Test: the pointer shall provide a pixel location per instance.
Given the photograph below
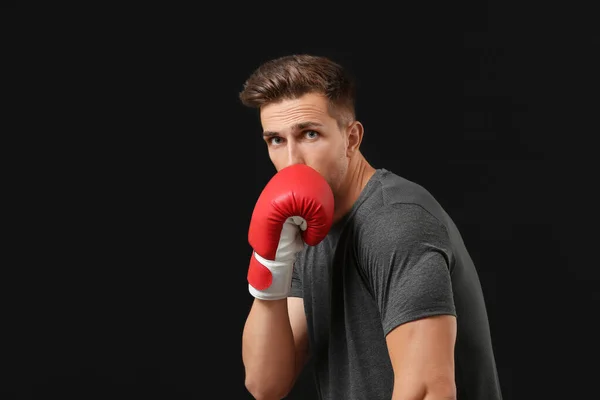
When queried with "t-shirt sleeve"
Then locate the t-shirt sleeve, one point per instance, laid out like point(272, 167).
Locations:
point(405, 256)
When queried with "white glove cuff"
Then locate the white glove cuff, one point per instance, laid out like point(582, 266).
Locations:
point(281, 285)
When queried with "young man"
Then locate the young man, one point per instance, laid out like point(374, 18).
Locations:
point(354, 267)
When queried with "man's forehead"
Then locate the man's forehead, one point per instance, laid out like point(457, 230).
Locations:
point(288, 113)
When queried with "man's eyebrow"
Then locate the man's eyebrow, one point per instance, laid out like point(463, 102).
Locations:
point(296, 127)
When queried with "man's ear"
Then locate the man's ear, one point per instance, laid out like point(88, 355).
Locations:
point(355, 135)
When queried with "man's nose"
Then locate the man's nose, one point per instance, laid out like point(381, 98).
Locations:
point(294, 154)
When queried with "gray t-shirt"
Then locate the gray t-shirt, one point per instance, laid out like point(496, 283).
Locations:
point(394, 258)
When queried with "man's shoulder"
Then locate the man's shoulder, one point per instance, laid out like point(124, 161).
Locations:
point(406, 220)
point(393, 196)
point(399, 216)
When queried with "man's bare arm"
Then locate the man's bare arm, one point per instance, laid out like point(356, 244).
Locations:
point(422, 355)
point(274, 347)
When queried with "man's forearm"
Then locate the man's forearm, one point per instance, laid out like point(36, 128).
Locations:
point(268, 349)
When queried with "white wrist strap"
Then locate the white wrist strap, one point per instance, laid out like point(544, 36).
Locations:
point(281, 285)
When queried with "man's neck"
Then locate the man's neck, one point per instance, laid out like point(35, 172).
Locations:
point(359, 173)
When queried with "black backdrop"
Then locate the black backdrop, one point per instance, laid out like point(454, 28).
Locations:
point(138, 286)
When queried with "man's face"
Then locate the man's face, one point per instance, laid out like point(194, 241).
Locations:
point(301, 131)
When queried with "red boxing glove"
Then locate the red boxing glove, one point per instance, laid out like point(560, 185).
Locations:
point(294, 208)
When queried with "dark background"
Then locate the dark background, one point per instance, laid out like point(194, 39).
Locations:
point(130, 279)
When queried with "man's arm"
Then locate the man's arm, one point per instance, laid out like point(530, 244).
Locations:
point(422, 355)
point(274, 347)
point(407, 258)
point(295, 208)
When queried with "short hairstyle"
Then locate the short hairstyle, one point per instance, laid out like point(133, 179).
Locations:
point(293, 76)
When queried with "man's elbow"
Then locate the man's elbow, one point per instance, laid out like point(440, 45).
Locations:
point(263, 391)
point(441, 391)
point(438, 390)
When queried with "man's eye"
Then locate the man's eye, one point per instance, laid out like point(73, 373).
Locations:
point(312, 134)
point(275, 140)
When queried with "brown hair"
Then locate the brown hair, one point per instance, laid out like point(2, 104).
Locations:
point(292, 76)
